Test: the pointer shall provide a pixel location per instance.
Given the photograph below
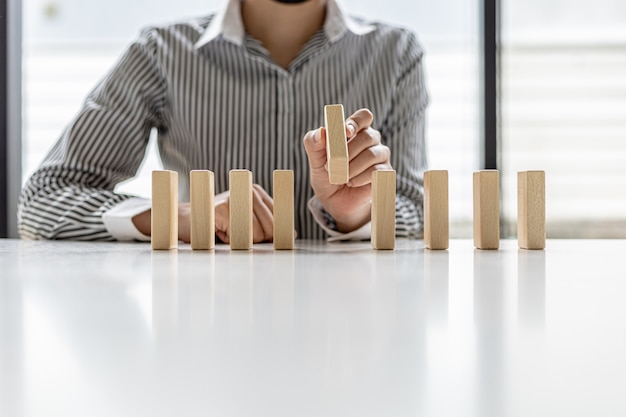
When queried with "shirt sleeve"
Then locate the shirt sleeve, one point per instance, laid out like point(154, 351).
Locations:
point(68, 196)
point(119, 219)
point(403, 131)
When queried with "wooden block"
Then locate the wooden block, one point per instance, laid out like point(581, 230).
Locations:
point(436, 219)
point(384, 209)
point(284, 231)
point(487, 209)
point(531, 209)
point(164, 215)
point(240, 209)
point(202, 201)
point(336, 144)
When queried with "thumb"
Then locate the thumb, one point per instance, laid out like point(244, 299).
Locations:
point(315, 146)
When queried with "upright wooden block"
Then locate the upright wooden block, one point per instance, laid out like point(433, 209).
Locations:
point(531, 209)
point(202, 201)
point(240, 209)
point(384, 209)
point(284, 232)
point(164, 215)
point(436, 218)
point(336, 144)
point(487, 209)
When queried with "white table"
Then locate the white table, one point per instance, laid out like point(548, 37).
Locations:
point(99, 329)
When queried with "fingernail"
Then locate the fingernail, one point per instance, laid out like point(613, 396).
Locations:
point(318, 135)
point(351, 129)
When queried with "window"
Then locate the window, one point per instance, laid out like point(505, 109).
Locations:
point(70, 44)
point(564, 111)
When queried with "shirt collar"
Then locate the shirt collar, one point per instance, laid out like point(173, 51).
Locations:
point(228, 24)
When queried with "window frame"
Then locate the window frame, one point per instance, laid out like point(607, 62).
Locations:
point(10, 114)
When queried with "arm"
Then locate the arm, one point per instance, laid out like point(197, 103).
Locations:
point(400, 144)
point(68, 195)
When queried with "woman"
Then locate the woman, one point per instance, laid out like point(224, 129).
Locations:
point(242, 89)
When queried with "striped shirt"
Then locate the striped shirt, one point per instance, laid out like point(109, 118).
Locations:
point(219, 102)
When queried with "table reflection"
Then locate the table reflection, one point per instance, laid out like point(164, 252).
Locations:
point(300, 322)
point(436, 276)
point(531, 289)
point(11, 340)
point(489, 325)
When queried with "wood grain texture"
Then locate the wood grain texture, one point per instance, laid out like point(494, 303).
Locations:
point(487, 209)
point(336, 144)
point(164, 214)
point(202, 202)
point(531, 209)
point(436, 217)
point(384, 210)
point(240, 210)
point(284, 222)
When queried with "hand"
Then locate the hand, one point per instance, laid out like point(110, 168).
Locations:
point(142, 222)
point(349, 204)
point(263, 219)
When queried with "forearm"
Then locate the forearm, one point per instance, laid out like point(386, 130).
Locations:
point(64, 211)
point(354, 220)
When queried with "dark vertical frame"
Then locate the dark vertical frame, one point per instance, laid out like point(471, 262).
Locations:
point(10, 114)
point(491, 84)
point(4, 123)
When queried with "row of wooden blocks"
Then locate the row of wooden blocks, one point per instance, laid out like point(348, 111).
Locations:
point(164, 220)
point(531, 210)
point(531, 215)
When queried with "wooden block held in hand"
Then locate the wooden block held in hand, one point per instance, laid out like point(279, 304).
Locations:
point(336, 144)
point(164, 215)
point(487, 209)
point(202, 202)
point(436, 218)
point(384, 209)
point(240, 209)
point(284, 232)
point(531, 209)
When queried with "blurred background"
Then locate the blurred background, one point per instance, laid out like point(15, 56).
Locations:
point(562, 101)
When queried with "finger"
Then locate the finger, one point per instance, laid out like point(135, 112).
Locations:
point(365, 177)
point(365, 139)
point(267, 199)
point(264, 220)
point(360, 120)
point(315, 147)
point(222, 236)
point(258, 235)
point(222, 222)
point(375, 155)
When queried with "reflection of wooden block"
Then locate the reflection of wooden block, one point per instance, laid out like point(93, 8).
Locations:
point(202, 201)
point(384, 209)
point(436, 220)
point(284, 232)
point(531, 209)
point(164, 215)
point(486, 209)
point(240, 207)
point(336, 144)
